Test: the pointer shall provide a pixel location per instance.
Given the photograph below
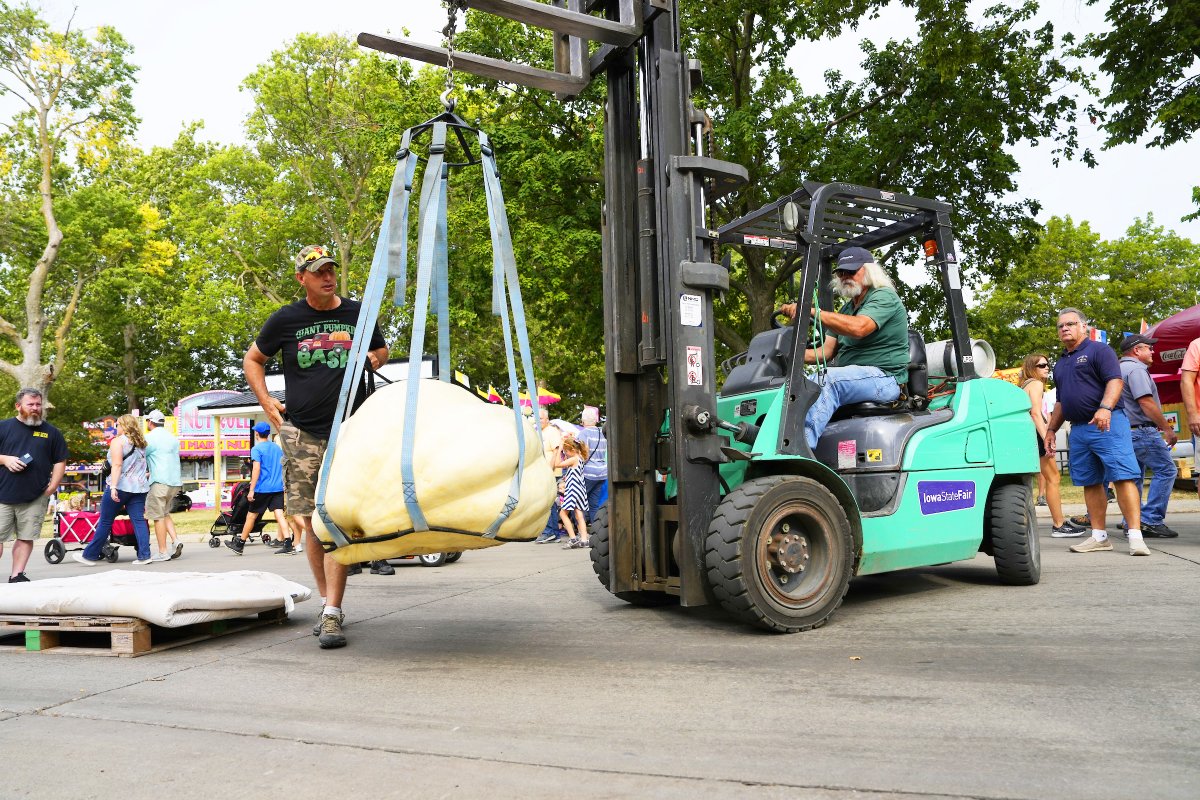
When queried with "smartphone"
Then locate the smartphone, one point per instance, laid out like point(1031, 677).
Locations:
point(26, 459)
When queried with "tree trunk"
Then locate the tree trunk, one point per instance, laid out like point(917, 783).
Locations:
point(129, 366)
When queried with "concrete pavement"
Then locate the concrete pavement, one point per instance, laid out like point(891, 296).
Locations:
point(514, 674)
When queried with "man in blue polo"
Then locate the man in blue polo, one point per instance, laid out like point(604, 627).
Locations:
point(1088, 379)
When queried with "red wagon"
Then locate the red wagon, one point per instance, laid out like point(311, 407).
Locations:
point(78, 527)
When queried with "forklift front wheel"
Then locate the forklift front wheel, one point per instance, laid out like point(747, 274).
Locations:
point(779, 553)
point(598, 535)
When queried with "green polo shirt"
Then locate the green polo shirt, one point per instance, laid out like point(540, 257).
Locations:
point(887, 346)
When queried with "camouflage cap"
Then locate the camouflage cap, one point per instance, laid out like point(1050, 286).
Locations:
point(313, 257)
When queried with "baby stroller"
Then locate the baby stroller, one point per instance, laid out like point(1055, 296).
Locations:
point(230, 523)
point(78, 528)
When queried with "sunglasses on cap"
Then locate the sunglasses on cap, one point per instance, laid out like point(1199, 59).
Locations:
point(317, 252)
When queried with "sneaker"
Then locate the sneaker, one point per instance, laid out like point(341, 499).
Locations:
point(545, 538)
point(1159, 531)
point(20, 577)
point(141, 562)
point(236, 545)
point(277, 542)
point(286, 548)
point(178, 551)
point(1068, 530)
point(158, 557)
point(354, 569)
point(570, 544)
point(1082, 520)
point(87, 562)
point(1091, 545)
point(299, 548)
point(585, 545)
point(330, 634)
point(382, 568)
point(1138, 548)
point(1041, 501)
point(320, 619)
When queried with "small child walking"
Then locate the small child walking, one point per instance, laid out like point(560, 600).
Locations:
point(574, 503)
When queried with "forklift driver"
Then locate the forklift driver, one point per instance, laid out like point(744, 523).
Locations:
point(869, 354)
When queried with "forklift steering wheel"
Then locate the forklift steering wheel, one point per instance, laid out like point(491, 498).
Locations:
point(780, 319)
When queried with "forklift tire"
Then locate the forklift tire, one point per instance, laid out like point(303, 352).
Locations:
point(598, 535)
point(1012, 530)
point(779, 553)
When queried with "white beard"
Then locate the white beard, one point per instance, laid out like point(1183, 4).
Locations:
point(847, 290)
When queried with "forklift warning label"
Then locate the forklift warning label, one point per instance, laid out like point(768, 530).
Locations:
point(695, 367)
point(939, 496)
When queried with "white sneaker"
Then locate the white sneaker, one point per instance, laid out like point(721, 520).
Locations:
point(1138, 548)
point(177, 549)
point(161, 557)
point(78, 556)
point(141, 562)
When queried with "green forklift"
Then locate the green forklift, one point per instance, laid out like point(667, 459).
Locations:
point(714, 494)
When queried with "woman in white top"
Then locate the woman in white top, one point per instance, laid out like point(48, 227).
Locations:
point(125, 490)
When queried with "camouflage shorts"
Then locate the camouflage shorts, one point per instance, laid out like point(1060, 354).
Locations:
point(302, 454)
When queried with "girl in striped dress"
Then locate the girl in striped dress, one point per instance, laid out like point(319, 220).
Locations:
point(574, 504)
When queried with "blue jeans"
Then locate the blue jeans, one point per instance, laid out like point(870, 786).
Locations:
point(133, 504)
point(843, 386)
point(597, 495)
point(1152, 452)
point(551, 528)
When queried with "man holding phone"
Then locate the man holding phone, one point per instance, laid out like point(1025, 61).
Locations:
point(33, 457)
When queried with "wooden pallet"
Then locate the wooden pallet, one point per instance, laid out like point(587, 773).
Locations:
point(114, 636)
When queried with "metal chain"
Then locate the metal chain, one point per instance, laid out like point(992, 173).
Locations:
point(452, 9)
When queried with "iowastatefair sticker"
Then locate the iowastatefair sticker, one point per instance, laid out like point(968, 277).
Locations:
point(940, 496)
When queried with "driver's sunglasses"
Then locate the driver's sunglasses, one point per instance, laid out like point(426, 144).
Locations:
point(315, 253)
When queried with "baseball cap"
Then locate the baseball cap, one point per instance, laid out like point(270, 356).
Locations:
point(262, 428)
point(312, 257)
point(157, 417)
point(852, 258)
point(1134, 339)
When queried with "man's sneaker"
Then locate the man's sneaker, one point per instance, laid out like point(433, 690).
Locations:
point(161, 557)
point(354, 569)
point(545, 538)
point(1091, 545)
point(1159, 531)
point(286, 548)
point(1068, 530)
point(236, 545)
point(1138, 548)
point(87, 562)
point(382, 568)
point(276, 542)
point(1041, 501)
point(330, 633)
point(178, 551)
point(141, 562)
point(20, 577)
point(1082, 520)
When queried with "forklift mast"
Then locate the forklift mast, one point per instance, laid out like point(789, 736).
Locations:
point(659, 275)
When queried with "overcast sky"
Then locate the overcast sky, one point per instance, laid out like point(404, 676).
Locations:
point(193, 56)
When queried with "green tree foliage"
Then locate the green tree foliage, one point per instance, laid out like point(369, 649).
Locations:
point(1152, 55)
point(74, 98)
point(1149, 274)
point(938, 115)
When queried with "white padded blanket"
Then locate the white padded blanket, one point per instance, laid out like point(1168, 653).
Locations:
point(169, 599)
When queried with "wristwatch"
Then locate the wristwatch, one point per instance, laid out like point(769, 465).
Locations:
point(1106, 408)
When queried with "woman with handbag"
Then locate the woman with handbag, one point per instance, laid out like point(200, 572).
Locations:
point(125, 490)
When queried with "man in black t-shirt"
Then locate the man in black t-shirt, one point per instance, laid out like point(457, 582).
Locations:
point(33, 457)
point(313, 336)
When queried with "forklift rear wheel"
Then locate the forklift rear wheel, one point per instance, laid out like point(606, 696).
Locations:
point(1013, 533)
point(779, 553)
point(55, 551)
point(598, 535)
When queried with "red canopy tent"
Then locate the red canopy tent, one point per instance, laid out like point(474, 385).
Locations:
point(1174, 334)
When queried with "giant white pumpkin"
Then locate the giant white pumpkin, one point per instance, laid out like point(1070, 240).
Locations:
point(464, 458)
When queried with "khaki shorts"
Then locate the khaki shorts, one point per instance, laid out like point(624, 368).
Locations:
point(302, 455)
point(23, 519)
point(159, 500)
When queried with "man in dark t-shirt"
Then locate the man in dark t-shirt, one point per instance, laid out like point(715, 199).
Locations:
point(313, 336)
point(1088, 383)
point(33, 457)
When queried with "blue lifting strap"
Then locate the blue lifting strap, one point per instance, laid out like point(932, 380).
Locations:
point(432, 287)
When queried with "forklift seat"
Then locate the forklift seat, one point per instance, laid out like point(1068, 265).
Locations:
point(914, 393)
